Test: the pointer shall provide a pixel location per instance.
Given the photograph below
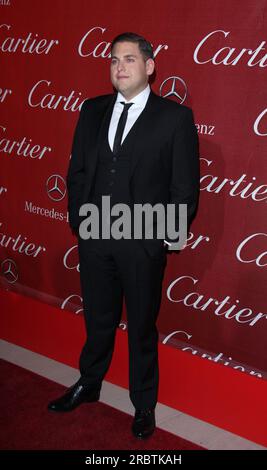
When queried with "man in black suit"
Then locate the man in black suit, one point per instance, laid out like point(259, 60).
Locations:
point(136, 148)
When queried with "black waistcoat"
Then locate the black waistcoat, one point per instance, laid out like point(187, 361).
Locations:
point(112, 172)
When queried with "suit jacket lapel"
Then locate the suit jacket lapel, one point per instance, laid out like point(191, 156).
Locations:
point(142, 124)
point(103, 119)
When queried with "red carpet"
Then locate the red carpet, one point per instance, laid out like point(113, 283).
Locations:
point(26, 424)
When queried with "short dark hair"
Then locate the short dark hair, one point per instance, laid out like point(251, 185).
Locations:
point(144, 45)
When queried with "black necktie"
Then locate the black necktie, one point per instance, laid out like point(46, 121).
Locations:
point(121, 126)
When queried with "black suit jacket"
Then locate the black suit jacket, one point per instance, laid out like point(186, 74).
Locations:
point(164, 158)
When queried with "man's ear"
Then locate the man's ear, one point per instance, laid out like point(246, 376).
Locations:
point(150, 66)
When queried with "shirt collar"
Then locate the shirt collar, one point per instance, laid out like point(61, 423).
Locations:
point(139, 99)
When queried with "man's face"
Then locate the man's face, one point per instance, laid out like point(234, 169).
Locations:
point(129, 71)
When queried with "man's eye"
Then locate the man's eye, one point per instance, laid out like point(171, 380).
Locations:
point(130, 59)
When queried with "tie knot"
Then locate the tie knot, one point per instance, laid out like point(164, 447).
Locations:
point(126, 105)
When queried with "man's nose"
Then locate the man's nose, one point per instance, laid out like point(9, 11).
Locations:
point(121, 66)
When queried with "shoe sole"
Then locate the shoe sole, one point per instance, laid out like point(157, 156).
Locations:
point(142, 438)
point(91, 400)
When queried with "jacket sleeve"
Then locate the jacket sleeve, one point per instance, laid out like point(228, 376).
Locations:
point(76, 170)
point(184, 188)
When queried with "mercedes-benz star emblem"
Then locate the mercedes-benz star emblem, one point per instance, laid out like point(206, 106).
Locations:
point(9, 270)
point(174, 86)
point(56, 187)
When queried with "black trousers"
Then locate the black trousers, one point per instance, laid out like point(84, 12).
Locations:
point(110, 269)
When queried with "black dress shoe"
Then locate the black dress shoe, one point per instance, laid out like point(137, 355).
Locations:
point(143, 423)
point(74, 397)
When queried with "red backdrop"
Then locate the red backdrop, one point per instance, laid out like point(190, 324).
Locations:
point(209, 55)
